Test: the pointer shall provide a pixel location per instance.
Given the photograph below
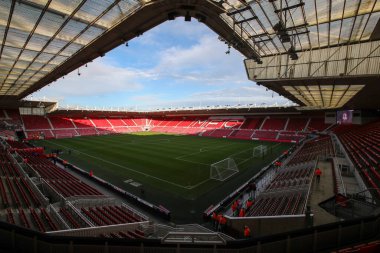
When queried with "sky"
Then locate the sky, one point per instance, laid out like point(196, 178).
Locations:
point(175, 64)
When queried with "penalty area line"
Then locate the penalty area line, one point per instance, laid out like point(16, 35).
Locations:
point(205, 149)
point(189, 161)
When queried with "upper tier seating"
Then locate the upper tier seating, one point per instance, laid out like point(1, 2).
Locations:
point(61, 122)
point(214, 124)
point(252, 123)
point(317, 124)
point(116, 122)
point(35, 122)
point(2, 114)
point(235, 124)
point(274, 124)
point(139, 121)
point(82, 123)
point(296, 124)
point(184, 123)
point(199, 122)
point(129, 122)
point(13, 116)
point(103, 123)
point(173, 122)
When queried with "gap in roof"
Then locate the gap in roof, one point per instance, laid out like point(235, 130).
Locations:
point(175, 64)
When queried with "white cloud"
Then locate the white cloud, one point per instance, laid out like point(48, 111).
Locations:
point(98, 78)
point(178, 29)
point(227, 96)
point(244, 94)
point(205, 61)
point(147, 98)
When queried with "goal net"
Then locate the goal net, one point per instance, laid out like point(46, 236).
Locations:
point(260, 151)
point(223, 169)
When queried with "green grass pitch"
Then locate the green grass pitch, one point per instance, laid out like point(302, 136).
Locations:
point(170, 168)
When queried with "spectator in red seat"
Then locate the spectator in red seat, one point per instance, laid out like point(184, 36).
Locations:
point(222, 222)
point(249, 203)
point(214, 218)
point(234, 208)
point(242, 212)
point(247, 232)
point(318, 174)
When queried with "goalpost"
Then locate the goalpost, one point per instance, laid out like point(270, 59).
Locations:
point(226, 168)
point(223, 169)
point(260, 151)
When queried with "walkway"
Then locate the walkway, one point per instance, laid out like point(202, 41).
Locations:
point(320, 192)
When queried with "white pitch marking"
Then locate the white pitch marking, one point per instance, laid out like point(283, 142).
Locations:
point(126, 168)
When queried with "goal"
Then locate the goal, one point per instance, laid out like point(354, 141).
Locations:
point(260, 151)
point(223, 169)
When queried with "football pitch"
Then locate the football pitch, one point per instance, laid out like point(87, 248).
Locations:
point(167, 167)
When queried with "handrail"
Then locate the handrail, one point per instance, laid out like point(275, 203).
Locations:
point(193, 238)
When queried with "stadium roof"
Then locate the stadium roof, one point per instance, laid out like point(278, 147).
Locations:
point(307, 24)
point(42, 41)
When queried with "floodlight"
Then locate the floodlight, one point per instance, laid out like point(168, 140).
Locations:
point(187, 17)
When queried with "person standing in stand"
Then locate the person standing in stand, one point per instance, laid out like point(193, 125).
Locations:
point(247, 232)
point(253, 189)
point(318, 174)
point(214, 218)
point(242, 212)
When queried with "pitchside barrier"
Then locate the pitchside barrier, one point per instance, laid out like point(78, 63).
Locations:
point(324, 238)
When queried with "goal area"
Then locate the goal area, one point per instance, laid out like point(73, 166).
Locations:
point(223, 169)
